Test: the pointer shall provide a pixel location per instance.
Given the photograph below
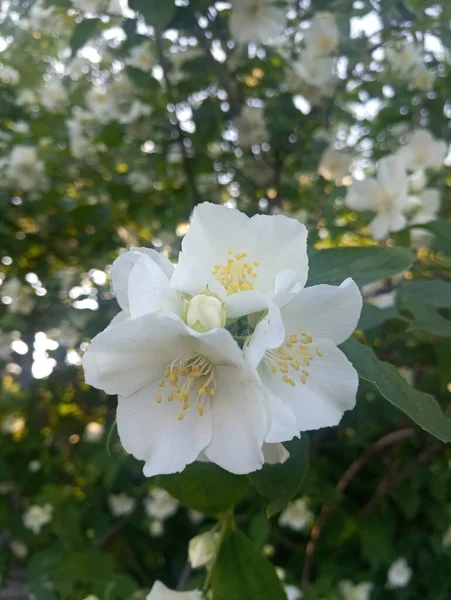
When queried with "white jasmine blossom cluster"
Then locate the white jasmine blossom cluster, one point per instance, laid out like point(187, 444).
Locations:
point(228, 345)
point(159, 505)
point(121, 505)
point(54, 96)
point(24, 169)
point(9, 75)
point(142, 57)
point(43, 19)
point(423, 151)
point(355, 591)
point(26, 98)
point(37, 516)
point(406, 61)
point(335, 165)
point(323, 36)
point(256, 21)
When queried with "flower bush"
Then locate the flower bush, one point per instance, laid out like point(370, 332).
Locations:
point(225, 295)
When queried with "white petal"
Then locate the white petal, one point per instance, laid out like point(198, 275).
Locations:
point(149, 289)
point(380, 225)
point(282, 420)
point(152, 431)
point(245, 303)
point(160, 592)
point(275, 454)
point(329, 391)
point(325, 311)
point(131, 355)
point(269, 333)
point(123, 265)
point(218, 346)
point(239, 421)
point(391, 172)
point(363, 195)
point(398, 221)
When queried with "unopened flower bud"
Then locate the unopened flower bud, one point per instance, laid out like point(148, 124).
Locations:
point(202, 549)
point(204, 312)
point(417, 182)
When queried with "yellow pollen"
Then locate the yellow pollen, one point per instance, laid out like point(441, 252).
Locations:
point(181, 416)
point(283, 362)
point(303, 379)
point(159, 398)
point(186, 406)
point(318, 352)
point(288, 380)
point(200, 410)
point(162, 382)
point(236, 275)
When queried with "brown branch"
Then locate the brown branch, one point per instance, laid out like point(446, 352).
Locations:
point(385, 441)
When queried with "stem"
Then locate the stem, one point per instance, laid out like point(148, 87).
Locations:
point(225, 524)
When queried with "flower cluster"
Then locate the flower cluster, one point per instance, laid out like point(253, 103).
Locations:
point(229, 351)
point(407, 62)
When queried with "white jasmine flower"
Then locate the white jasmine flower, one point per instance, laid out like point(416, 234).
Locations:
point(322, 37)
point(101, 104)
point(115, 8)
point(296, 515)
point(139, 182)
point(421, 79)
point(446, 540)
point(160, 504)
point(156, 528)
point(18, 548)
point(142, 57)
point(313, 76)
point(26, 98)
point(21, 127)
point(25, 169)
point(178, 390)
point(203, 548)
point(36, 517)
point(121, 505)
point(160, 592)
point(355, 591)
point(90, 6)
point(403, 58)
point(417, 182)
point(407, 374)
point(421, 238)
point(293, 592)
point(42, 18)
point(399, 574)
point(308, 381)
point(265, 259)
point(8, 75)
point(423, 151)
point(195, 517)
point(385, 195)
point(251, 126)
point(94, 432)
point(386, 300)
point(54, 96)
point(427, 208)
point(256, 21)
point(335, 165)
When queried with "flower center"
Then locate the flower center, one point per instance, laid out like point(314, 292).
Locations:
point(190, 381)
point(293, 356)
point(237, 275)
point(386, 200)
point(324, 41)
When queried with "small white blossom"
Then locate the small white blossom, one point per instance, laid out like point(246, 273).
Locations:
point(156, 528)
point(407, 374)
point(34, 466)
point(26, 98)
point(355, 591)
point(160, 592)
point(121, 505)
point(399, 574)
point(296, 515)
point(417, 182)
point(446, 540)
point(386, 196)
point(385, 300)
point(403, 58)
point(256, 21)
point(12, 424)
point(251, 126)
point(293, 592)
point(142, 57)
point(423, 151)
point(90, 6)
point(195, 516)
point(313, 76)
point(421, 79)
point(427, 207)
point(335, 165)
point(37, 516)
point(101, 103)
point(322, 37)
point(160, 504)
point(203, 548)
point(17, 297)
point(54, 96)
point(18, 548)
point(25, 169)
point(43, 18)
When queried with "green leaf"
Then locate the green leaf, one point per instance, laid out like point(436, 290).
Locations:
point(158, 13)
point(422, 408)
point(279, 483)
point(364, 265)
point(243, 573)
point(427, 318)
point(433, 292)
point(205, 487)
point(372, 316)
point(442, 231)
point(259, 529)
point(83, 32)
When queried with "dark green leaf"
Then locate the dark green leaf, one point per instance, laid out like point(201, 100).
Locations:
point(442, 231)
point(156, 12)
point(364, 265)
point(279, 483)
point(372, 316)
point(83, 32)
point(434, 292)
point(205, 487)
point(259, 529)
point(422, 408)
point(426, 318)
point(243, 573)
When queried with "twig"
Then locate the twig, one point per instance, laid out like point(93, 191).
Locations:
point(184, 576)
point(187, 165)
point(344, 481)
